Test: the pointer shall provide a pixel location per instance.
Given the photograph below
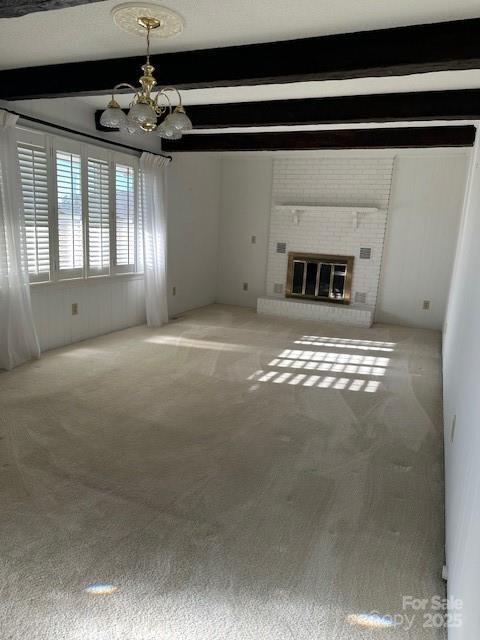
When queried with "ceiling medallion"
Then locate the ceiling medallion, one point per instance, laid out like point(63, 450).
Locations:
point(125, 16)
point(146, 109)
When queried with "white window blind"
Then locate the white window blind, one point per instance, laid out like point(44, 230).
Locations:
point(69, 206)
point(125, 218)
point(98, 177)
point(82, 209)
point(140, 264)
point(34, 178)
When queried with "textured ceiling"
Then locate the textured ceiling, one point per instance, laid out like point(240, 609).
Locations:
point(87, 32)
point(73, 110)
point(438, 81)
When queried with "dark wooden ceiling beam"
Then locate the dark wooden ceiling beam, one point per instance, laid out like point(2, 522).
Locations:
point(385, 52)
point(387, 107)
point(17, 8)
point(408, 137)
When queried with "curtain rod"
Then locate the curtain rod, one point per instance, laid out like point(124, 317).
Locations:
point(79, 133)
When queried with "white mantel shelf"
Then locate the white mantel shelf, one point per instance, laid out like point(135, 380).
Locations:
point(299, 210)
point(353, 314)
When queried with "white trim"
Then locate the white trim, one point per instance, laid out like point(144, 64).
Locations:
point(105, 157)
point(53, 144)
point(125, 161)
point(313, 208)
point(92, 280)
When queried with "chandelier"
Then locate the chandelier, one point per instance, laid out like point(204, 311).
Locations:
point(147, 112)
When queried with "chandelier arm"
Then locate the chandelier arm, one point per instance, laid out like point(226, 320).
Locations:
point(124, 84)
point(162, 93)
point(175, 90)
point(144, 108)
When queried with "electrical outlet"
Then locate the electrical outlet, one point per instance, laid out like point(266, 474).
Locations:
point(174, 291)
point(254, 239)
point(452, 428)
point(426, 305)
point(74, 308)
point(245, 286)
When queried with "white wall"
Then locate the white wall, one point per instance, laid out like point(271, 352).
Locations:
point(218, 202)
point(104, 305)
point(79, 116)
point(193, 220)
point(109, 304)
point(461, 370)
point(342, 179)
point(425, 204)
point(245, 208)
point(422, 228)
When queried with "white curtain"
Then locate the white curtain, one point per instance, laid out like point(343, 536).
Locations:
point(18, 338)
point(153, 172)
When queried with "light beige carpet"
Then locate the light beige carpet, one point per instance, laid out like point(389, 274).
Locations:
point(227, 477)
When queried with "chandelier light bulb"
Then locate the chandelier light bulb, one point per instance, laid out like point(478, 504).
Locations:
point(113, 116)
point(166, 130)
point(131, 128)
point(174, 134)
point(162, 130)
point(180, 120)
point(142, 114)
point(168, 122)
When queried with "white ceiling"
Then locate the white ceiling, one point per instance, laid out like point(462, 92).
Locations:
point(77, 110)
point(87, 32)
point(438, 81)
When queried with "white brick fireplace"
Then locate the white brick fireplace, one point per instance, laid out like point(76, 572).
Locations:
point(325, 207)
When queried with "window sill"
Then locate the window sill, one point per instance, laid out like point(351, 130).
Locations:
point(92, 280)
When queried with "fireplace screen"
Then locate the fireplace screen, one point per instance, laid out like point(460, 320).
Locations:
point(319, 277)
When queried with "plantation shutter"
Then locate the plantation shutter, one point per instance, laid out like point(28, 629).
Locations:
point(34, 182)
point(69, 214)
point(98, 178)
point(139, 266)
point(82, 205)
point(125, 217)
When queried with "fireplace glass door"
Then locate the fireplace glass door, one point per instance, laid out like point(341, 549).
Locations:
point(319, 277)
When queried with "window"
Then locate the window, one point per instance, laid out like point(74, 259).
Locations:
point(34, 174)
point(81, 208)
point(69, 216)
point(98, 216)
point(125, 214)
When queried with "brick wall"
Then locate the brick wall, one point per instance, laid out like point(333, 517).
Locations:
point(336, 187)
point(363, 182)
